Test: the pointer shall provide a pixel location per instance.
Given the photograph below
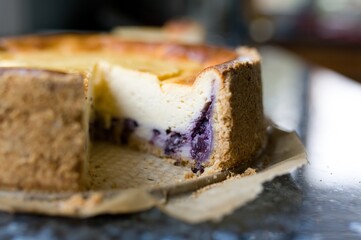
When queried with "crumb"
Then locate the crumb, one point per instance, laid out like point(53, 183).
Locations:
point(189, 175)
point(72, 204)
point(184, 163)
point(94, 200)
point(248, 172)
point(231, 174)
point(78, 201)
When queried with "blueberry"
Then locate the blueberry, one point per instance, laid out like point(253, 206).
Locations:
point(174, 142)
point(129, 125)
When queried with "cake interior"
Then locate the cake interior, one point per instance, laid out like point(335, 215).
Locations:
point(168, 118)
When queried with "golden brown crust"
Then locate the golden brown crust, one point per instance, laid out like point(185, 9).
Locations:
point(42, 137)
point(206, 55)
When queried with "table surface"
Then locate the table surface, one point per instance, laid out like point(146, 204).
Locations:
point(320, 201)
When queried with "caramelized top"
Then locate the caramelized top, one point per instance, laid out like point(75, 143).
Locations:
point(79, 53)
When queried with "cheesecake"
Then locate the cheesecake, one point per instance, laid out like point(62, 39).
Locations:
point(195, 104)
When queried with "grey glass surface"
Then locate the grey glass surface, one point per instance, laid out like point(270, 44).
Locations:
point(320, 201)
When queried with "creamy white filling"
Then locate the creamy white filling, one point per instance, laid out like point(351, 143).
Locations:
point(125, 93)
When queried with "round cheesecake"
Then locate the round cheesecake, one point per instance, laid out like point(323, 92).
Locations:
point(196, 104)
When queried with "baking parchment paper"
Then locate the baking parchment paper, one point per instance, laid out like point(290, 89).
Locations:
point(126, 181)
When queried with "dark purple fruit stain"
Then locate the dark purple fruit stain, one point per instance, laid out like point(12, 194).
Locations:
point(119, 130)
point(116, 127)
point(202, 135)
point(98, 130)
point(174, 142)
point(156, 134)
point(198, 168)
point(129, 126)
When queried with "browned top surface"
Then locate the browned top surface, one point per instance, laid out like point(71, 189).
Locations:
point(94, 43)
point(79, 53)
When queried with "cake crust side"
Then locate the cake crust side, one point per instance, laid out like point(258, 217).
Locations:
point(49, 153)
point(239, 117)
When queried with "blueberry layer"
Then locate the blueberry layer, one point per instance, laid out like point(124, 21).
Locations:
point(174, 142)
point(129, 126)
point(118, 131)
point(195, 144)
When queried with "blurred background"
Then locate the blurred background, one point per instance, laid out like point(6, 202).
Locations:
point(325, 32)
